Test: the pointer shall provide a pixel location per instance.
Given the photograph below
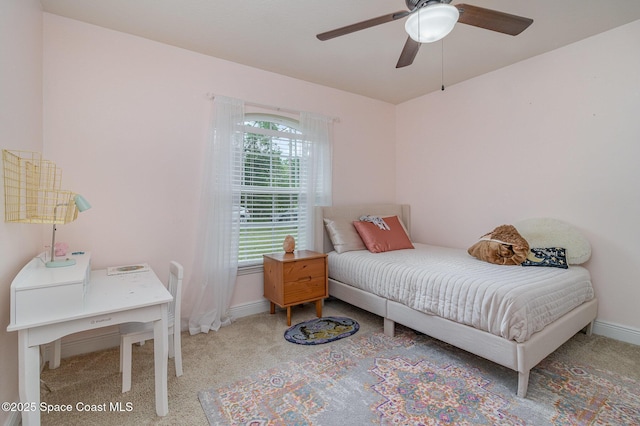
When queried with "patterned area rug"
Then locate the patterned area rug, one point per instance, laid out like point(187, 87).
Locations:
point(411, 379)
point(321, 330)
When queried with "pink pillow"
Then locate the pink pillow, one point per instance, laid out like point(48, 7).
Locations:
point(379, 240)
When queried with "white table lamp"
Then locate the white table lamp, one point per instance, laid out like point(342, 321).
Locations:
point(82, 204)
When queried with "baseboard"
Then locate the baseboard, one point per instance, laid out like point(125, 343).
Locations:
point(109, 338)
point(617, 332)
point(96, 341)
point(251, 308)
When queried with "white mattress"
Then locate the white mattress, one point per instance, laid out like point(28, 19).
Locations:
point(509, 301)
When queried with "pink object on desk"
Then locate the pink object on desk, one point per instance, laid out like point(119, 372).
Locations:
point(61, 249)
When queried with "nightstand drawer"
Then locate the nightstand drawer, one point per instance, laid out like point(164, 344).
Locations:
point(297, 291)
point(303, 271)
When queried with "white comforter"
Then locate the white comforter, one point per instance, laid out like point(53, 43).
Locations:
point(509, 301)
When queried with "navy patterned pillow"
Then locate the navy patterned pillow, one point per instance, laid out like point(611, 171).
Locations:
point(550, 256)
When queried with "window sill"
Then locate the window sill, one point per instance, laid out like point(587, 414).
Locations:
point(251, 269)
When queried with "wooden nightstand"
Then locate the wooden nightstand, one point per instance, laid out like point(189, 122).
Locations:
point(294, 278)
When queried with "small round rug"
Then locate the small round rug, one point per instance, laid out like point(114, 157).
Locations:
point(321, 330)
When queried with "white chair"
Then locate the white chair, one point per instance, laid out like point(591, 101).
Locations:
point(136, 332)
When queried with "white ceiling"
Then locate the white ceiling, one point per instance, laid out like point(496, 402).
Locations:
point(279, 36)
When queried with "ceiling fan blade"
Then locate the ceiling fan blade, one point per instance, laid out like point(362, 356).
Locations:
point(362, 25)
point(492, 19)
point(409, 53)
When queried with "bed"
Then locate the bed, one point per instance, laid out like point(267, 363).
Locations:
point(522, 315)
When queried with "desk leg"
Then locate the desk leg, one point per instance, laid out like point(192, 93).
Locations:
point(161, 359)
point(54, 357)
point(29, 378)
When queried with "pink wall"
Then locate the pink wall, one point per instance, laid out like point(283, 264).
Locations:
point(127, 119)
point(557, 136)
point(20, 129)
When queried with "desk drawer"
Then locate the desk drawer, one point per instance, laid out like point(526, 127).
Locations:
point(40, 294)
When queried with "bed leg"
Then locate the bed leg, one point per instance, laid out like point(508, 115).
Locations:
point(389, 327)
point(589, 329)
point(523, 383)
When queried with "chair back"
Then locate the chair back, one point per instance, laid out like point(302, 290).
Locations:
point(175, 288)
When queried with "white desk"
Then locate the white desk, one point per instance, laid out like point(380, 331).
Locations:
point(108, 300)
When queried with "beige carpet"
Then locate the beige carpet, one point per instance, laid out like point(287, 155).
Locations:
point(249, 345)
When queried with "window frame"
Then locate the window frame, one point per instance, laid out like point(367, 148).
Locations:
point(255, 265)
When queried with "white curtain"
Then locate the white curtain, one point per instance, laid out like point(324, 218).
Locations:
point(216, 262)
point(317, 131)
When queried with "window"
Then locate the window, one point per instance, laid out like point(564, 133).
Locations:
point(272, 186)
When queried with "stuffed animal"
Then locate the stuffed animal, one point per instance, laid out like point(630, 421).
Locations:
point(502, 246)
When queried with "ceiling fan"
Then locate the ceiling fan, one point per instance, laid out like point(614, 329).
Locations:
point(431, 20)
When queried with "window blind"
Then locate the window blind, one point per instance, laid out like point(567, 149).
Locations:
point(273, 176)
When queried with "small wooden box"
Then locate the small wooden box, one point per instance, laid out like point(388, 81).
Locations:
point(294, 278)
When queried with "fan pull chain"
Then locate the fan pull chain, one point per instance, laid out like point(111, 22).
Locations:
point(442, 64)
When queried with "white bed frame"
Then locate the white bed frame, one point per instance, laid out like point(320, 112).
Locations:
point(521, 357)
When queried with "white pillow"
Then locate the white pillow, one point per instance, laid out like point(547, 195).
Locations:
point(343, 235)
point(547, 232)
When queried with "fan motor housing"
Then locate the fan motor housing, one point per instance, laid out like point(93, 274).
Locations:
point(411, 4)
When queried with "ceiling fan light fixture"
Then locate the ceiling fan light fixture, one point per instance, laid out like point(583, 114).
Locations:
point(431, 23)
